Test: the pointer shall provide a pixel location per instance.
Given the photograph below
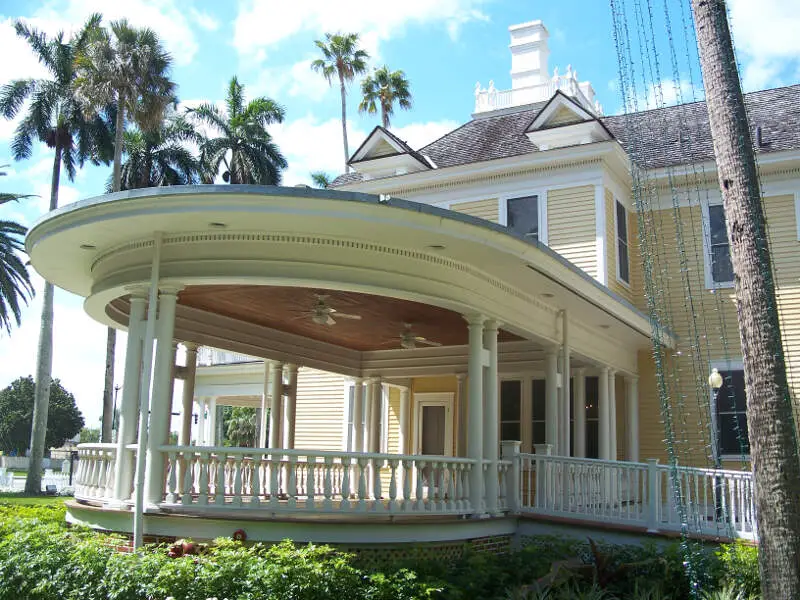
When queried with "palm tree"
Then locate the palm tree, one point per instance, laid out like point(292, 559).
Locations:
point(159, 157)
point(344, 59)
point(15, 283)
point(129, 69)
point(53, 116)
point(383, 88)
point(321, 179)
point(244, 146)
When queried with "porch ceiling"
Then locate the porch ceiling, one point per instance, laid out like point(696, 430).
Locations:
point(288, 309)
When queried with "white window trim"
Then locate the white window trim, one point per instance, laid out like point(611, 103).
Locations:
point(541, 194)
point(721, 365)
point(346, 387)
point(433, 399)
point(620, 280)
point(706, 233)
point(797, 212)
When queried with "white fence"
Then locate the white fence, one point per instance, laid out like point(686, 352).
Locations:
point(697, 501)
point(94, 474)
point(309, 481)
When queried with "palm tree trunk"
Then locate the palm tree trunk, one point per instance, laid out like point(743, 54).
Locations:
point(111, 334)
point(344, 121)
point(44, 364)
point(773, 437)
point(384, 116)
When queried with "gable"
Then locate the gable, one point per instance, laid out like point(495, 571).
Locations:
point(381, 148)
point(563, 116)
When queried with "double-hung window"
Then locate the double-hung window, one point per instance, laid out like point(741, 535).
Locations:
point(623, 261)
point(730, 415)
point(719, 249)
point(522, 216)
point(510, 410)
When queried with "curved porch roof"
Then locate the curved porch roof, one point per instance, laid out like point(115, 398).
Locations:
point(352, 243)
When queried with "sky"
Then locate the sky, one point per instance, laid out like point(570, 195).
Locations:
point(444, 47)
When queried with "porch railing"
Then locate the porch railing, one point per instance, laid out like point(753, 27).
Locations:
point(698, 501)
point(308, 481)
point(94, 473)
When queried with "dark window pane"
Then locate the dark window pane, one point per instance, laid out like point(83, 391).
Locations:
point(539, 400)
point(716, 224)
point(733, 438)
point(592, 397)
point(539, 433)
point(592, 439)
point(510, 431)
point(624, 268)
point(622, 223)
point(721, 266)
point(571, 399)
point(523, 215)
point(510, 400)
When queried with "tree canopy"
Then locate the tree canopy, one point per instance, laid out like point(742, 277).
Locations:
point(381, 90)
point(64, 420)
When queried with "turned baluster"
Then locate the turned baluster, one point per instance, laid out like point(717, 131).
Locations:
point(292, 484)
point(255, 482)
point(219, 488)
point(393, 504)
point(327, 504)
point(420, 506)
point(345, 503)
point(172, 480)
point(362, 483)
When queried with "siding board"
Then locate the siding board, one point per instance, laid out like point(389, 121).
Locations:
point(484, 209)
point(571, 226)
point(320, 410)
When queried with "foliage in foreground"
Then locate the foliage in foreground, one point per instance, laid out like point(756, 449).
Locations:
point(41, 559)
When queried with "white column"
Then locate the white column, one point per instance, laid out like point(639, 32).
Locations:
point(492, 415)
point(376, 395)
point(264, 424)
point(564, 432)
point(358, 415)
point(551, 398)
point(475, 412)
point(159, 404)
point(290, 417)
point(275, 404)
point(211, 437)
point(612, 415)
point(461, 403)
point(632, 405)
point(129, 407)
point(187, 400)
point(201, 422)
point(604, 425)
point(579, 408)
point(405, 408)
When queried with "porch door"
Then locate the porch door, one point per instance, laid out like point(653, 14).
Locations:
point(433, 434)
point(433, 430)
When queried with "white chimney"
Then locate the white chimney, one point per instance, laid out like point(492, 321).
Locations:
point(529, 54)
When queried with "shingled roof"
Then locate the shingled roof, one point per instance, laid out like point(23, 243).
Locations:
point(668, 136)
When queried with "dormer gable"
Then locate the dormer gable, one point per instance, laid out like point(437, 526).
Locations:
point(563, 122)
point(383, 154)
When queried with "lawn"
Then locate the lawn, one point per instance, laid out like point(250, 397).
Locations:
point(19, 499)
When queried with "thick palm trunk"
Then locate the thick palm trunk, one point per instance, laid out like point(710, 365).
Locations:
point(344, 122)
point(44, 364)
point(111, 334)
point(384, 117)
point(773, 438)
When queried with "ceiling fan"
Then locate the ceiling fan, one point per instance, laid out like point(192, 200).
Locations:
point(409, 341)
point(322, 314)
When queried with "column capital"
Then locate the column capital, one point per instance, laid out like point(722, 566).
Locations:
point(138, 292)
point(190, 346)
point(580, 371)
point(475, 319)
point(291, 367)
point(491, 325)
point(631, 378)
point(552, 350)
point(461, 377)
point(170, 289)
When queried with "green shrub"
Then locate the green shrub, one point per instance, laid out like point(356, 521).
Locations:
point(740, 568)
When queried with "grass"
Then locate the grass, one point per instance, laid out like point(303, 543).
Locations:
point(19, 499)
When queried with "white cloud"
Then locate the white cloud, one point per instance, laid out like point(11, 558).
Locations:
point(204, 20)
point(313, 145)
point(297, 80)
point(375, 21)
point(165, 17)
point(765, 34)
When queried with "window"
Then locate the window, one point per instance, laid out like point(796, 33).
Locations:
point(592, 417)
point(538, 406)
point(719, 248)
point(510, 410)
point(523, 216)
point(730, 415)
point(623, 262)
point(350, 427)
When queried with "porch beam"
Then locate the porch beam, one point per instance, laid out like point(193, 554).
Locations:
point(211, 422)
point(358, 415)
point(604, 426)
point(275, 404)
point(632, 407)
point(564, 432)
point(579, 408)
point(612, 415)
point(461, 404)
point(290, 416)
point(187, 398)
point(551, 397)
point(263, 435)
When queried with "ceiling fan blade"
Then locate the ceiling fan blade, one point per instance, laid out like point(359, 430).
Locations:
point(330, 321)
point(346, 316)
point(422, 340)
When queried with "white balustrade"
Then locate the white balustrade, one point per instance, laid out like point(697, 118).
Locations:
point(94, 475)
point(658, 497)
point(212, 356)
point(316, 481)
point(490, 99)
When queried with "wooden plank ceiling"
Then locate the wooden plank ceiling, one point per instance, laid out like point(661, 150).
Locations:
point(289, 309)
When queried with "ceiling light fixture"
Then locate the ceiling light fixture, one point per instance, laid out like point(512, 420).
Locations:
point(88, 247)
point(547, 295)
point(217, 225)
point(436, 247)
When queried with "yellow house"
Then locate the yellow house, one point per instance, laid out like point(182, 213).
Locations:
point(452, 343)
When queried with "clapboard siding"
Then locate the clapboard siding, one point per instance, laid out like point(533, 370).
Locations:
point(484, 209)
point(320, 410)
point(571, 227)
point(564, 116)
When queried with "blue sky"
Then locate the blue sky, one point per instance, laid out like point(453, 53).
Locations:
point(444, 46)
